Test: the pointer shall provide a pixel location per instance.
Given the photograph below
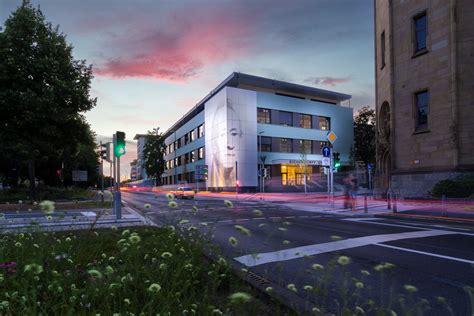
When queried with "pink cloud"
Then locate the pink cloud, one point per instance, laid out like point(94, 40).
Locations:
point(327, 81)
point(180, 54)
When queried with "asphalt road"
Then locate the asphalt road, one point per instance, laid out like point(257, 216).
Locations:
point(284, 244)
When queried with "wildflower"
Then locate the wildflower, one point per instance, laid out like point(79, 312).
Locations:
point(125, 232)
point(379, 267)
point(269, 289)
point(111, 258)
point(109, 270)
point(365, 272)
point(147, 205)
point(334, 237)
point(389, 265)
point(47, 206)
point(192, 228)
point(343, 260)
point(18, 244)
point(154, 288)
point(126, 301)
point(166, 255)
point(49, 217)
point(95, 273)
point(243, 230)
point(286, 242)
point(308, 288)
point(34, 268)
point(68, 239)
point(20, 202)
point(292, 287)
point(113, 227)
point(317, 266)
point(188, 266)
point(2, 278)
point(134, 239)
point(233, 241)
point(163, 266)
point(441, 299)
point(217, 311)
point(316, 310)
point(240, 297)
point(173, 204)
point(170, 196)
point(410, 288)
point(283, 229)
point(258, 212)
point(261, 225)
point(222, 261)
point(228, 203)
point(359, 310)
point(359, 285)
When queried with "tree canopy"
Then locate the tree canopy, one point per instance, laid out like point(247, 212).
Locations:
point(154, 154)
point(44, 92)
point(364, 135)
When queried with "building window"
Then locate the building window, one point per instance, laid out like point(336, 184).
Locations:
point(421, 102)
point(200, 131)
point(420, 31)
point(382, 48)
point(324, 123)
point(192, 156)
point(323, 144)
point(286, 118)
point(201, 153)
point(305, 121)
point(192, 135)
point(263, 116)
point(286, 145)
point(186, 138)
point(306, 146)
point(266, 144)
point(186, 158)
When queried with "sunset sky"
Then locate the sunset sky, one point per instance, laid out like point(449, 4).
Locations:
point(153, 60)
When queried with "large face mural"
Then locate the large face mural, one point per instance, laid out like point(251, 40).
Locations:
point(230, 123)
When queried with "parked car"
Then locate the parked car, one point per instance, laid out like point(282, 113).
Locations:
point(184, 193)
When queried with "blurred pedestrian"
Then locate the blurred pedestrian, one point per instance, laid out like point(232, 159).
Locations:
point(354, 187)
point(347, 191)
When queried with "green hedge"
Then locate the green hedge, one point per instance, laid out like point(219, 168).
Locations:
point(462, 187)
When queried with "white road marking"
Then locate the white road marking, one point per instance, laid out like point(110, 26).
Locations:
point(275, 217)
point(426, 253)
point(226, 221)
point(259, 218)
point(89, 214)
point(289, 254)
point(290, 216)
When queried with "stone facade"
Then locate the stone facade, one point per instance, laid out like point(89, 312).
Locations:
point(415, 159)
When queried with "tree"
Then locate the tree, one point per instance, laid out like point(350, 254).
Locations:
point(364, 135)
point(154, 154)
point(43, 93)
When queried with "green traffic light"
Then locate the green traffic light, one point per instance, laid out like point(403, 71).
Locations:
point(119, 144)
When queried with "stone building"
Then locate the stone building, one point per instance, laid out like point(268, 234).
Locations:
point(424, 66)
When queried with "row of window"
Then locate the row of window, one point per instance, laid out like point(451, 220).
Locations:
point(420, 33)
point(289, 145)
point(264, 116)
point(189, 137)
point(188, 157)
point(188, 177)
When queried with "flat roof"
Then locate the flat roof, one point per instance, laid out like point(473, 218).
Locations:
point(237, 79)
point(138, 136)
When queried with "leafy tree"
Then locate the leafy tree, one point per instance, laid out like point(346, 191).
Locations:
point(364, 135)
point(43, 93)
point(154, 154)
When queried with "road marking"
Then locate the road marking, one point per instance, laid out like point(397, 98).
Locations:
point(290, 216)
point(259, 218)
point(299, 252)
point(275, 217)
point(406, 225)
point(89, 214)
point(226, 221)
point(426, 253)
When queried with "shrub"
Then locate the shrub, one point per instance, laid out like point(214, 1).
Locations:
point(462, 187)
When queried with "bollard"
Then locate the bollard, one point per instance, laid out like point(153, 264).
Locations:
point(444, 209)
point(366, 210)
point(395, 203)
point(389, 202)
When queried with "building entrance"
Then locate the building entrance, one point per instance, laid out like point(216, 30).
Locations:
point(292, 174)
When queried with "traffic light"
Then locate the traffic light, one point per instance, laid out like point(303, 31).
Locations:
point(103, 151)
point(337, 162)
point(119, 144)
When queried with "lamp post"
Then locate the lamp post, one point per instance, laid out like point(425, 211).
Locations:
point(260, 160)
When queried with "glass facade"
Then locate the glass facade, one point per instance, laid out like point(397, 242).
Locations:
point(263, 116)
point(305, 121)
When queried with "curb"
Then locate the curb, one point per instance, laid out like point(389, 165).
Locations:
point(424, 218)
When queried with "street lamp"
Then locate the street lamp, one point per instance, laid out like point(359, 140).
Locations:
point(260, 160)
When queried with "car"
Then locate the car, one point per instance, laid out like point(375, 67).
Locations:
point(184, 193)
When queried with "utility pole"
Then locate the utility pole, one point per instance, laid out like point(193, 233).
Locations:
point(236, 180)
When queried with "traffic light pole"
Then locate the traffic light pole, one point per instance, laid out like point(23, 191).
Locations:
point(102, 173)
point(331, 176)
point(117, 197)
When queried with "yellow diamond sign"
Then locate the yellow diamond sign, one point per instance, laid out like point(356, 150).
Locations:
point(332, 137)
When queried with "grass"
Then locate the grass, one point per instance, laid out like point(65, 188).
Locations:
point(24, 207)
point(141, 270)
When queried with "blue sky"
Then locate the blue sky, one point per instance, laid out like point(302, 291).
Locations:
point(153, 60)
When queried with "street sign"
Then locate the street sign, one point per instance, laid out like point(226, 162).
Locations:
point(326, 151)
point(79, 175)
point(332, 137)
point(326, 161)
point(201, 167)
point(370, 166)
